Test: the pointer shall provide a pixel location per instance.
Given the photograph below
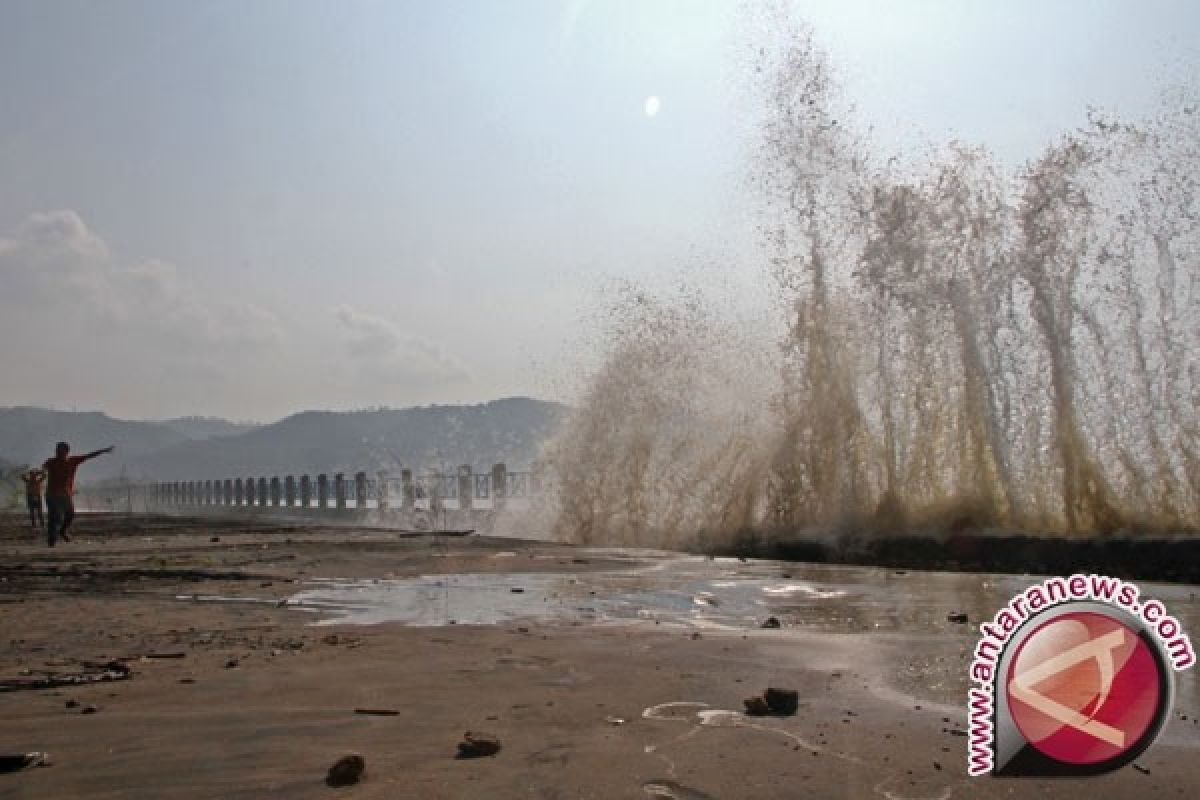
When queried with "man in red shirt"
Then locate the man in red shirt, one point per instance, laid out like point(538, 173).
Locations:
point(60, 485)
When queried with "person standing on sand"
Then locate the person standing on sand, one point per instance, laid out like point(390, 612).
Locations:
point(60, 485)
point(33, 496)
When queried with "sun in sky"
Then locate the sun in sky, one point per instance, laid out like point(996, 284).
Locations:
point(653, 104)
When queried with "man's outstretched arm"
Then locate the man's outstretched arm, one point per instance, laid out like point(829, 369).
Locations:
point(95, 453)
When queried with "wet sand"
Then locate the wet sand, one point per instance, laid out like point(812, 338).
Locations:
point(635, 691)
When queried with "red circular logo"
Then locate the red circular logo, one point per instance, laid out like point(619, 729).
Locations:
point(1084, 688)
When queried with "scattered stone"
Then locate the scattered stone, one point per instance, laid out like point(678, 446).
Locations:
point(231, 663)
point(477, 745)
point(331, 639)
point(72, 703)
point(771, 622)
point(378, 712)
point(165, 655)
point(757, 706)
point(15, 762)
point(1141, 769)
point(615, 720)
point(346, 770)
point(89, 710)
point(695, 635)
point(782, 701)
point(517, 590)
point(215, 539)
point(187, 680)
point(937, 766)
point(957, 617)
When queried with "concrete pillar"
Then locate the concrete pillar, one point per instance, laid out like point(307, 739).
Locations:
point(536, 473)
point(191, 493)
point(436, 484)
point(262, 493)
point(251, 492)
point(227, 490)
point(208, 493)
point(339, 491)
point(305, 491)
point(360, 490)
point(408, 492)
point(289, 491)
point(276, 491)
point(499, 486)
point(239, 496)
point(322, 491)
point(381, 490)
point(466, 487)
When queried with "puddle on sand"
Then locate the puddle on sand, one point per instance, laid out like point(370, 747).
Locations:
point(690, 592)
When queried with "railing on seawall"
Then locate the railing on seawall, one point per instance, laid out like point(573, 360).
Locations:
point(461, 490)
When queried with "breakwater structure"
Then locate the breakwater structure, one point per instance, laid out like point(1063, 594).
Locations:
point(435, 499)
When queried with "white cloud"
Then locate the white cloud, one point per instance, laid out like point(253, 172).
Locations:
point(86, 326)
point(52, 254)
point(54, 266)
point(390, 353)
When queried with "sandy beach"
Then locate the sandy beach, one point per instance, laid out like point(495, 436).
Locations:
point(237, 667)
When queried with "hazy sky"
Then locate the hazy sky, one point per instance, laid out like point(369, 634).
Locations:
point(250, 208)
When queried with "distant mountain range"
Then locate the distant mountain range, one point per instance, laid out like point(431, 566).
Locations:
point(509, 430)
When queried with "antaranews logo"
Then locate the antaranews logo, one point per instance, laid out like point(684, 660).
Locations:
point(1074, 676)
